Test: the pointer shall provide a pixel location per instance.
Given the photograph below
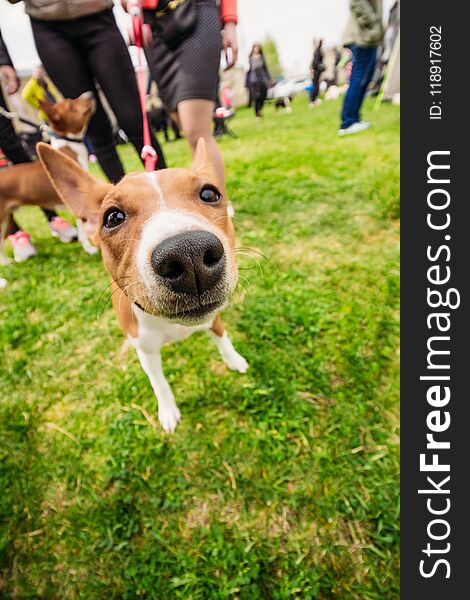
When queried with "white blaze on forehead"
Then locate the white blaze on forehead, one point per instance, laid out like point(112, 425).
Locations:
point(166, 224)
point(153, 180)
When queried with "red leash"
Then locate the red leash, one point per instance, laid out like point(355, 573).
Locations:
point(140, 35)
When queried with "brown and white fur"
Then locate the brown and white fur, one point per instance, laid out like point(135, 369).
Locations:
point(28, 184)
point(171, 257)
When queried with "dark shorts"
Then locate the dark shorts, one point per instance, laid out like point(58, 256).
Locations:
point(192, 69)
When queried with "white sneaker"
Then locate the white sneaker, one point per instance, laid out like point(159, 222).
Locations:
point(355, 128)
point(63, 230)
point(22, 246)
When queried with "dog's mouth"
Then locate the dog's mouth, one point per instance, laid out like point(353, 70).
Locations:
point(194, 314)
point(198, 312)
point(178, 312)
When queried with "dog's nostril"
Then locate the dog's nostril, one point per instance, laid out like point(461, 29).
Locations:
point(171, 269)
point(212, 256)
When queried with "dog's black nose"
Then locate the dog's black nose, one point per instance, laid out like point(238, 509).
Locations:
point(189, 263)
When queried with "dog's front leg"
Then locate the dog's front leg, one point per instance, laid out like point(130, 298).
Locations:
point(168, 412)
point(230, 356)
point(83, 238)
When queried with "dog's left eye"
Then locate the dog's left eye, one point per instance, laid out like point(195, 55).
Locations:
point(113, 218)
point(210, 194)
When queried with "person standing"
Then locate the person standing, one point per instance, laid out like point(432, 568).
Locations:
point(316, 69)
point(79, 43)
point(364, 33)
point(186, 67)
point(257, 79)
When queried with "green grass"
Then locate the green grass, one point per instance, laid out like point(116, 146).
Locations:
point(280, 483)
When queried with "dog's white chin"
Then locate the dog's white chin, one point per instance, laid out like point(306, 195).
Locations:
point(196, 316)
point(191, 321)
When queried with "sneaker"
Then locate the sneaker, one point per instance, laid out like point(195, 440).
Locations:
point(22, 246)
point(355, 128)
point(63, 230)
point(315, 103)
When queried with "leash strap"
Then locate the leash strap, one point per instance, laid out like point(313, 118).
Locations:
point(148, 154)
point(43, 128)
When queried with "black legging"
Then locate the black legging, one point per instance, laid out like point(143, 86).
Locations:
point(315, 85)
point(77, 52)
point(14, 151)
point(258, 96)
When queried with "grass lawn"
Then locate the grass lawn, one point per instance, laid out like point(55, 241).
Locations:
point(280, 483)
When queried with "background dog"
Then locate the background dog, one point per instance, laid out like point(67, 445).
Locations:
point(27, 183)
point(160, 120)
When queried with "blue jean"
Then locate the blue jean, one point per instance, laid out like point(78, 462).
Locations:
point(363, 65)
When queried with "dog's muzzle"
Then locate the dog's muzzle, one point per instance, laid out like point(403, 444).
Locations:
point(189, 263)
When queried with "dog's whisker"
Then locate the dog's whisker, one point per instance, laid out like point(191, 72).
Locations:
point(124, 293)
point(110, 284)
point(130, 240)
point(247, 282)
point(258, 264)
point(105, 302)
point(250, 251)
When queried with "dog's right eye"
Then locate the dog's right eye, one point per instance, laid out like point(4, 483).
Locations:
point(113, 218)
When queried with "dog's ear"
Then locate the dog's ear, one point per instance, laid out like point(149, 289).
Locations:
point(81, 192)
point(202, 163)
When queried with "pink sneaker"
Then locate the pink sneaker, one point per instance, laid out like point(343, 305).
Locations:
point(63, 230)
point(22, 246)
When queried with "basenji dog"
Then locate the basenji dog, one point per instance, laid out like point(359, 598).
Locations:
point(169, 247)
point(28, 184)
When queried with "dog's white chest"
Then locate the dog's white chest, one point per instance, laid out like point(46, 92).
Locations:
point(78, 147)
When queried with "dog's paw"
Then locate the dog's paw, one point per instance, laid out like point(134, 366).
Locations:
point(3, 283)
point(91, 249)
point(236, 362)
point(169, 416)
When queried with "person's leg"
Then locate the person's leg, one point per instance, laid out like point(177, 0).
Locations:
point(314, 92)
point(9, 141)
point(363, 61)
point(369, 60)
point(110, 62)
point(176, 130)
point(316, 86)
point(195, 117)
point(263, 96)
point(67, 66)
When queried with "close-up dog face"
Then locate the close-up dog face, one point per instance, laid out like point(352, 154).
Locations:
point(165, 236)
point(71, 115)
